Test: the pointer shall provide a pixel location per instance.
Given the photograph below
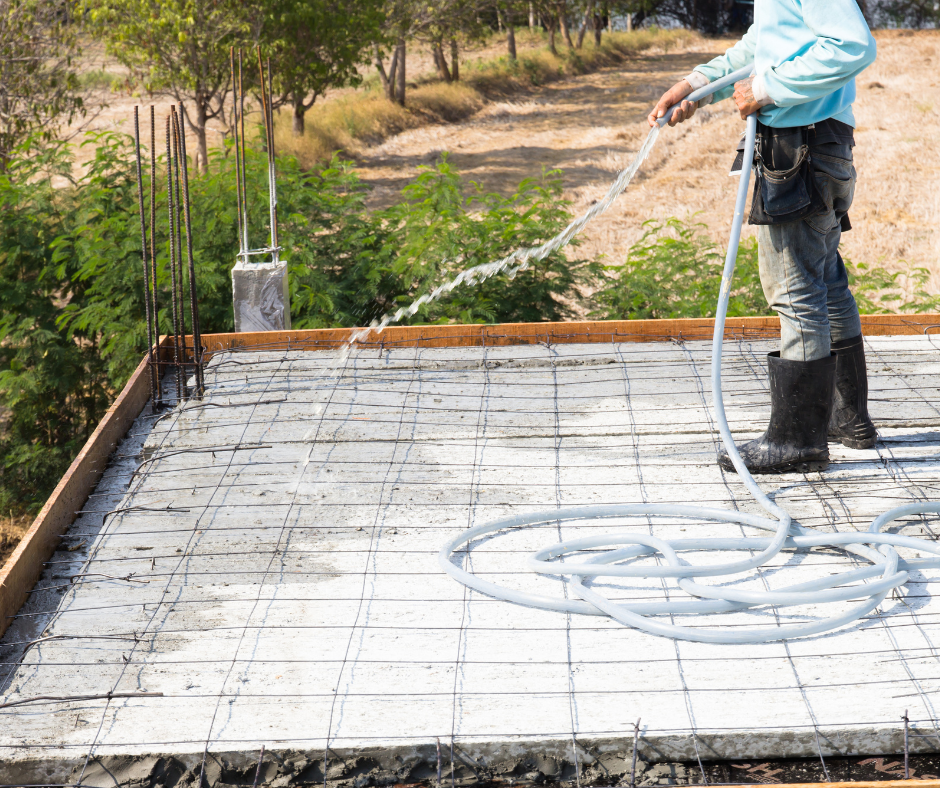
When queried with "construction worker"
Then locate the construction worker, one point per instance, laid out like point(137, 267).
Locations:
point(806, 55)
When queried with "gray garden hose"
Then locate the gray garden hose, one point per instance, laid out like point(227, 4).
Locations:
point(888, 569)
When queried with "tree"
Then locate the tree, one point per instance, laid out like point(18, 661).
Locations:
point(180, 48)
point(316, 45)
point(398, 26)
point(511, 11)
point(442, 22)
point(38, 88)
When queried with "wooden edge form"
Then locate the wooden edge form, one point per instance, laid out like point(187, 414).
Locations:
point(556, 333)
point(859, 784)
point(22, 569)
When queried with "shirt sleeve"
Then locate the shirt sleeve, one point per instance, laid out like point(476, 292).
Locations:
point(844, 47)
point(739, 56)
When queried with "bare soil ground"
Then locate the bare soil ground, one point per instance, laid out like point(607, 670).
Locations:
point(591, 126)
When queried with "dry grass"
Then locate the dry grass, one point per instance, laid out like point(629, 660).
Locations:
point(499, 76)
point(349, 122)
point(358, 119)
point(591, 125)
point(12, 529)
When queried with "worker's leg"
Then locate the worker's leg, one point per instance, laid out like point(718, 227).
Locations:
point(801, 271)
point(850, 423)
point(793, 258)
point(835, 180)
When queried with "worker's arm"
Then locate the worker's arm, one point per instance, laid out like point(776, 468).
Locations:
point(738, 56)
point(844, 47)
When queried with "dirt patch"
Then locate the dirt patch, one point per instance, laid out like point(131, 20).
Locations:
point(12, 529)
point(590, 127)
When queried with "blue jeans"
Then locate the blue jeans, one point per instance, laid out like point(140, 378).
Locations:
point(801, 270)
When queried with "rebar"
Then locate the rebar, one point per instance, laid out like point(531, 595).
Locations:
point(636, 737)
point(272, 167)
point(178, 241)
point(241, 123)
point(143, 256)
point(170, 213)
point(153, 253)
point(258, 770)
point(193, 299)
point(907, 768)
point(268, 115)
point(236, 87)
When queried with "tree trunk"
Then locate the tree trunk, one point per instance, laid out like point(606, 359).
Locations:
point(629, 23)
point(511, 40)
point(441, 62)
point(588, 17)
point(298, 120)
point(454, 60)
point(551, 37)
point(400, 92)
point(531, 15)
point(563, 23)
point(202, 146)
point(383, 76)
point(499, 20)
point(598, 28)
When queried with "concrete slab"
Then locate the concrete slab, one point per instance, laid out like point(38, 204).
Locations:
point(266, 560)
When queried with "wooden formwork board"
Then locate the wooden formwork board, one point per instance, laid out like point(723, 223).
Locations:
point(531, 333)
point(23, 568)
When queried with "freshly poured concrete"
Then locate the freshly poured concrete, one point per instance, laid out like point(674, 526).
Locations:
point(275, 557)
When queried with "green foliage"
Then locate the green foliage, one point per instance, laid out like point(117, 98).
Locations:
point(438, 232)
point(879, 291)
point(674, 270)
point(52, 389)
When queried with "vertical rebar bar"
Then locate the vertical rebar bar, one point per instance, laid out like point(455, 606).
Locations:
point(907, 768)
point(438, 763)
point(258, 770)
point(272, 164)
point(636, 737)
point(241, 121)
point(179, 246)
point(193, 300)
point(269, 144)
point(143, 256)
point(238, 170)
point(170, 213)
point(153, 248)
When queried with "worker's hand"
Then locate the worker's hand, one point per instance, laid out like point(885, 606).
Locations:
point(674, 95)
point(744, 97)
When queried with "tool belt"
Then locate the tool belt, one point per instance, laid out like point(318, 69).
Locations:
point(784, 183)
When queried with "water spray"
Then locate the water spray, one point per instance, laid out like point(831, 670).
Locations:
point(886, 569)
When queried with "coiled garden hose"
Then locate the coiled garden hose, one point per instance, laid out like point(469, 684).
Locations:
point(886, 569)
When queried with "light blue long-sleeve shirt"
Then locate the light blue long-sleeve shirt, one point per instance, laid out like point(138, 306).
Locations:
point(808, 53)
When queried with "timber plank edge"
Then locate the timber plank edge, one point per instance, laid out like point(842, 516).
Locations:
point(24, 567)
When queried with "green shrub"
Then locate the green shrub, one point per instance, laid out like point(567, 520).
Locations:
point(72, 326)
point(673, 271)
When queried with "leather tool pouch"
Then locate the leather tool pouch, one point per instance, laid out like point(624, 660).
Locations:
point(785, 192)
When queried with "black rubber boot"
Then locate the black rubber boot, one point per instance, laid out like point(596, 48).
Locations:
point(800, 405)
point(850, 423)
